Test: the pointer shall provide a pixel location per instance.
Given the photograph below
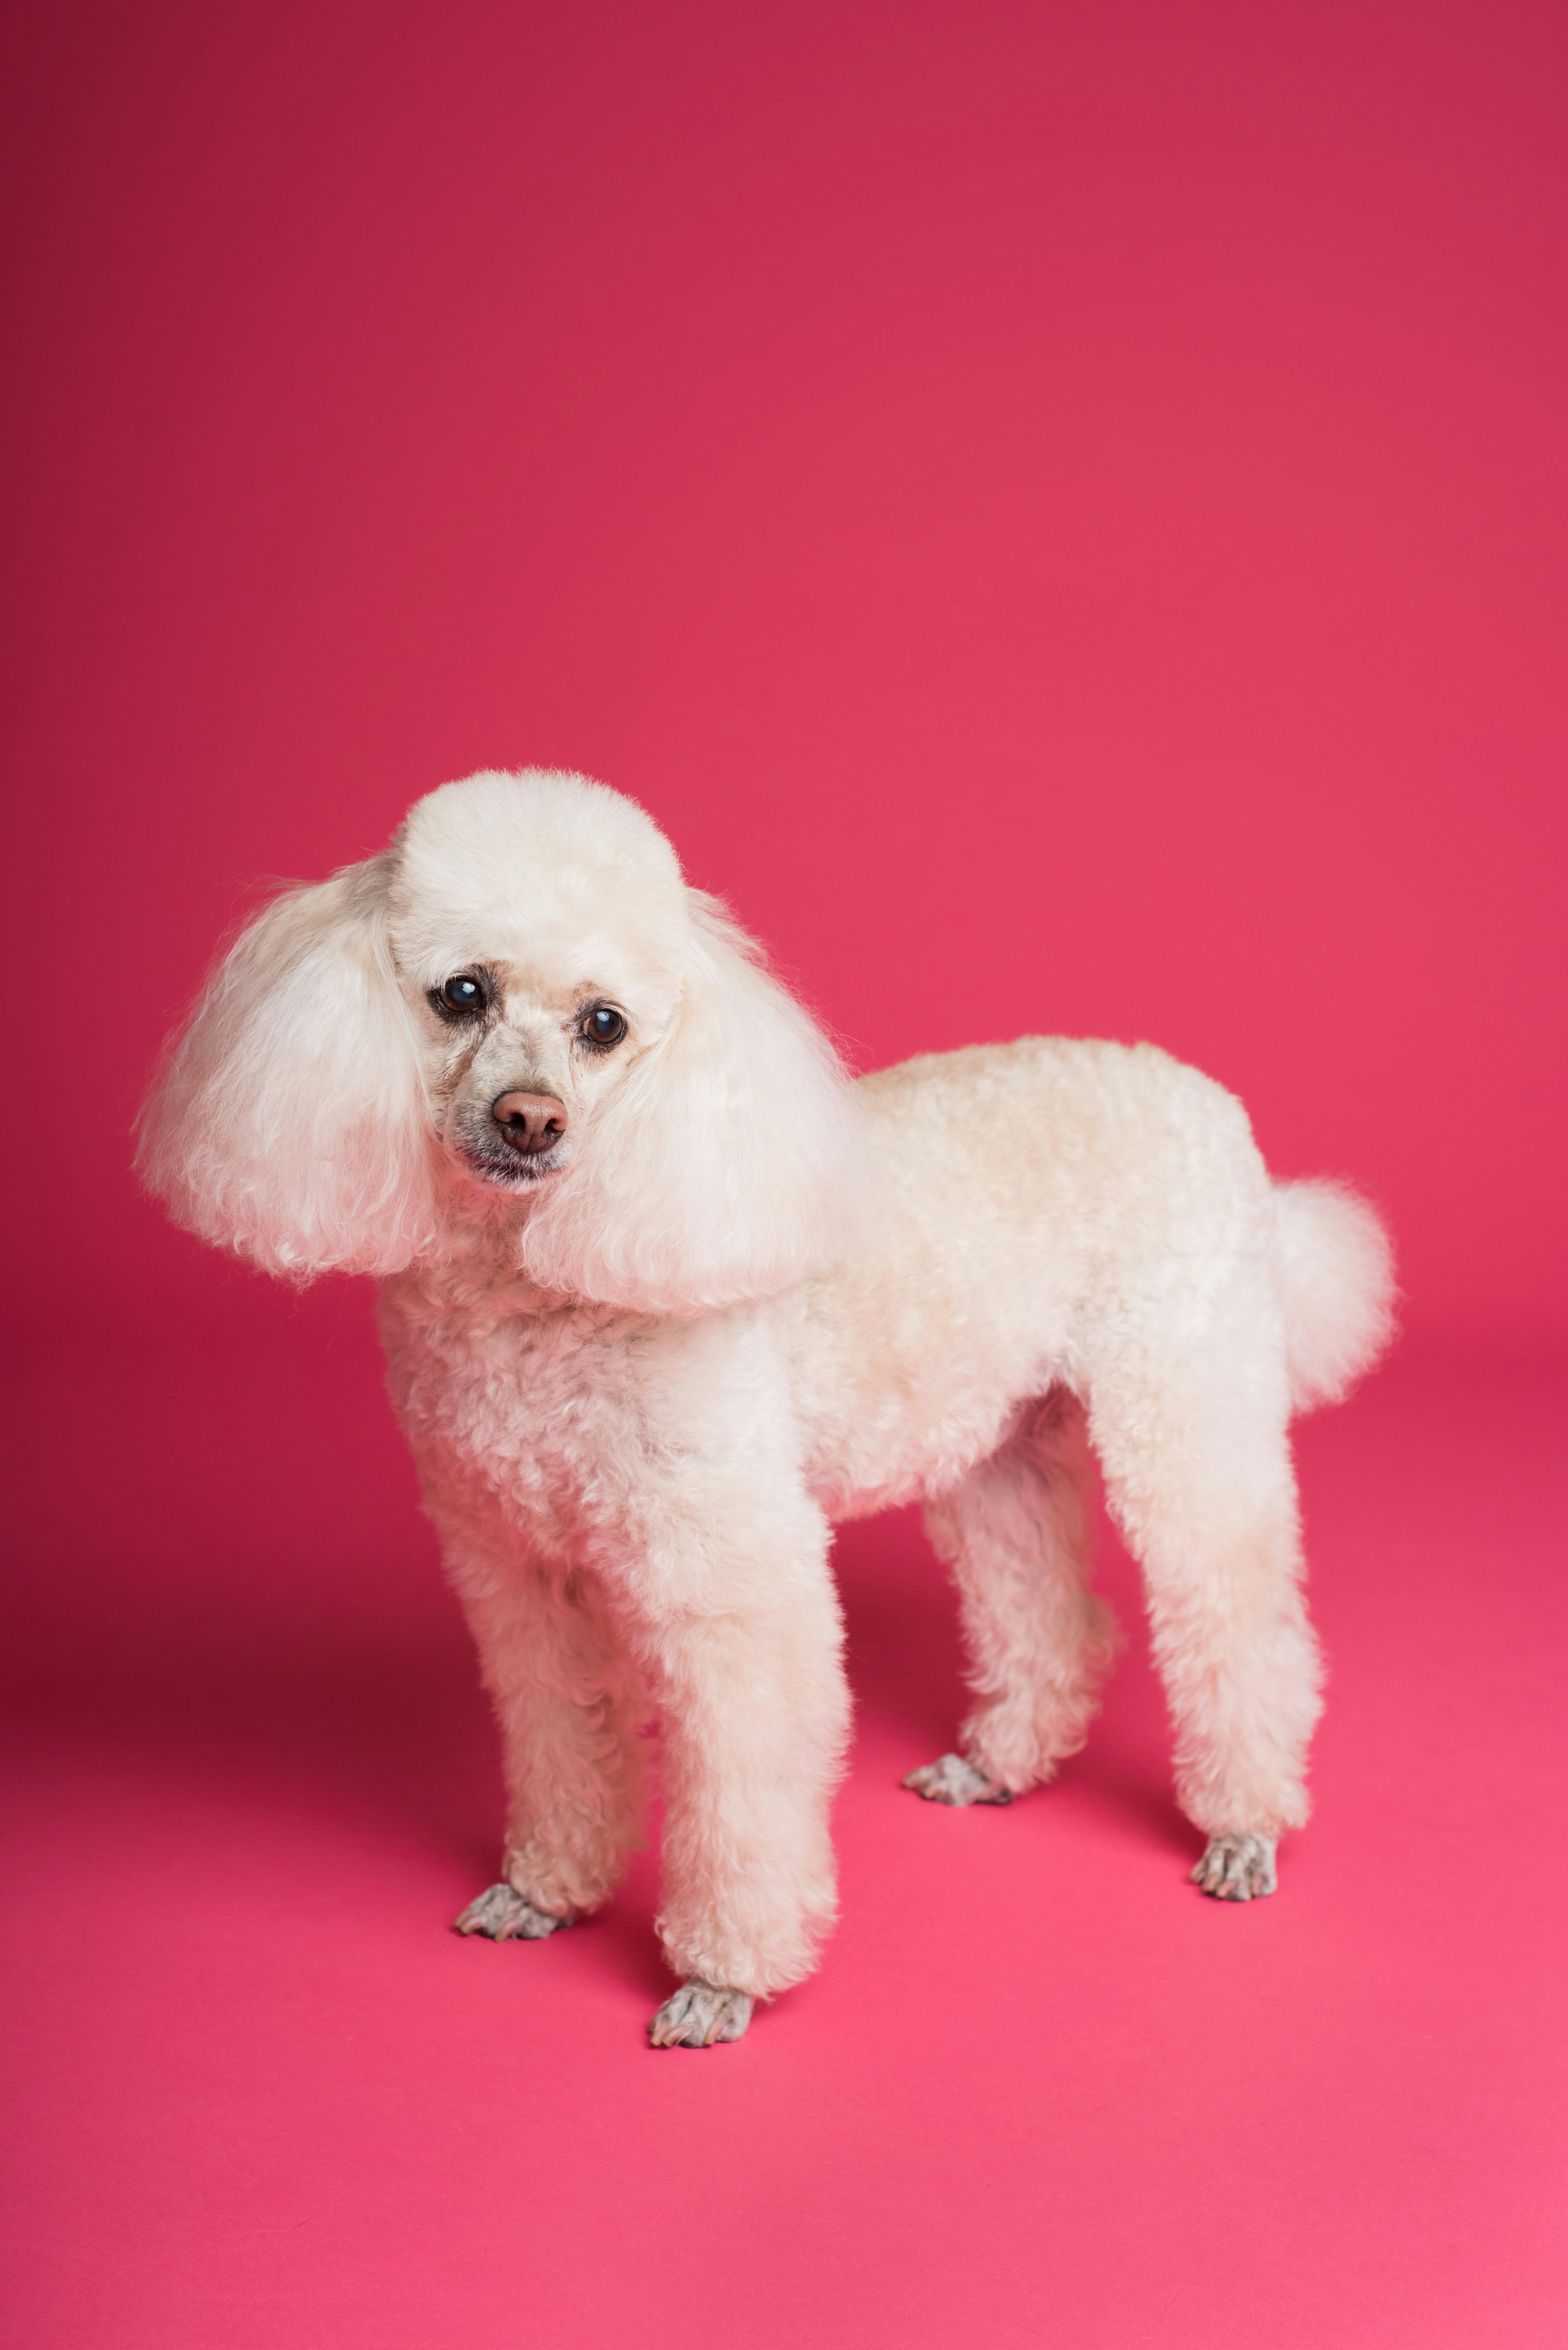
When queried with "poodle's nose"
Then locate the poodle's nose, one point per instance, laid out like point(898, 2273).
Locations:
point(529, 1123)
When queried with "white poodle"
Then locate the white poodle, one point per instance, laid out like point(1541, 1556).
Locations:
point(664, 1296)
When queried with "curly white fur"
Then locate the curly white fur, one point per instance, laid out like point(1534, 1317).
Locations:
point(645, 1371)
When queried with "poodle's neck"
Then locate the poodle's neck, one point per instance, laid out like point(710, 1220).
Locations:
point(477, 1275)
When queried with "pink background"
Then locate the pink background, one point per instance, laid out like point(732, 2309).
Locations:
point(1060, 511)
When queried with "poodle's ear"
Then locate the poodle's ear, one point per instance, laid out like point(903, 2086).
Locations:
point(289, 1122)
point(723, 1164)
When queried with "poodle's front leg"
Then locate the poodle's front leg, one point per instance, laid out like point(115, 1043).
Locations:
point(568, 1700)
point(755, 1716)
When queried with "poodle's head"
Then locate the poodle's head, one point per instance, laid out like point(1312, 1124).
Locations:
point(519, 1014)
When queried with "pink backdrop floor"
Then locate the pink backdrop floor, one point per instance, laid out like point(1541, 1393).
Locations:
point(1040, 2092)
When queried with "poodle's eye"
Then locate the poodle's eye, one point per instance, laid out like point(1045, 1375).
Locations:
point(601, 1026)
point(461, 993)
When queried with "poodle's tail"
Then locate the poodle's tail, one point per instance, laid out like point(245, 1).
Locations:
point(1336, 1273)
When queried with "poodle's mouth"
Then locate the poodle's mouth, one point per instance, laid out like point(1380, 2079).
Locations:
point(510, 1170)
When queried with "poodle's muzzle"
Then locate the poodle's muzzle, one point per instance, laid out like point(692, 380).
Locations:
point(521, 1140)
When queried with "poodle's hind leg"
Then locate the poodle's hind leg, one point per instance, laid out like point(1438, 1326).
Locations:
point(569, 1703)
point(1192, 1435)
point(1016, 1533)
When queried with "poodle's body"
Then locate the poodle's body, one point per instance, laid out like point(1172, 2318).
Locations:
point(730, 1300)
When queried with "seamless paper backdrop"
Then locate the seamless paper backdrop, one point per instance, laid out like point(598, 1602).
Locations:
point(1059, 510)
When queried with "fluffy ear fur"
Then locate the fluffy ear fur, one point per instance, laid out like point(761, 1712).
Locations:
point(724, 1165)
point(290, 1123)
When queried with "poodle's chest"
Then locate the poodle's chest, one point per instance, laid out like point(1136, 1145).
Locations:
point(540, 1413)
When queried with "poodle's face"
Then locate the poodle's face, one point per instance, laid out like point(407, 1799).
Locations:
point(541, 949)
point(516, 1057)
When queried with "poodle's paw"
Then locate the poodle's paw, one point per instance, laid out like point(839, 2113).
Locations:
point(951, 1780)
point(503, 1915)
point(1237, 1867)
point(701, 2015)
